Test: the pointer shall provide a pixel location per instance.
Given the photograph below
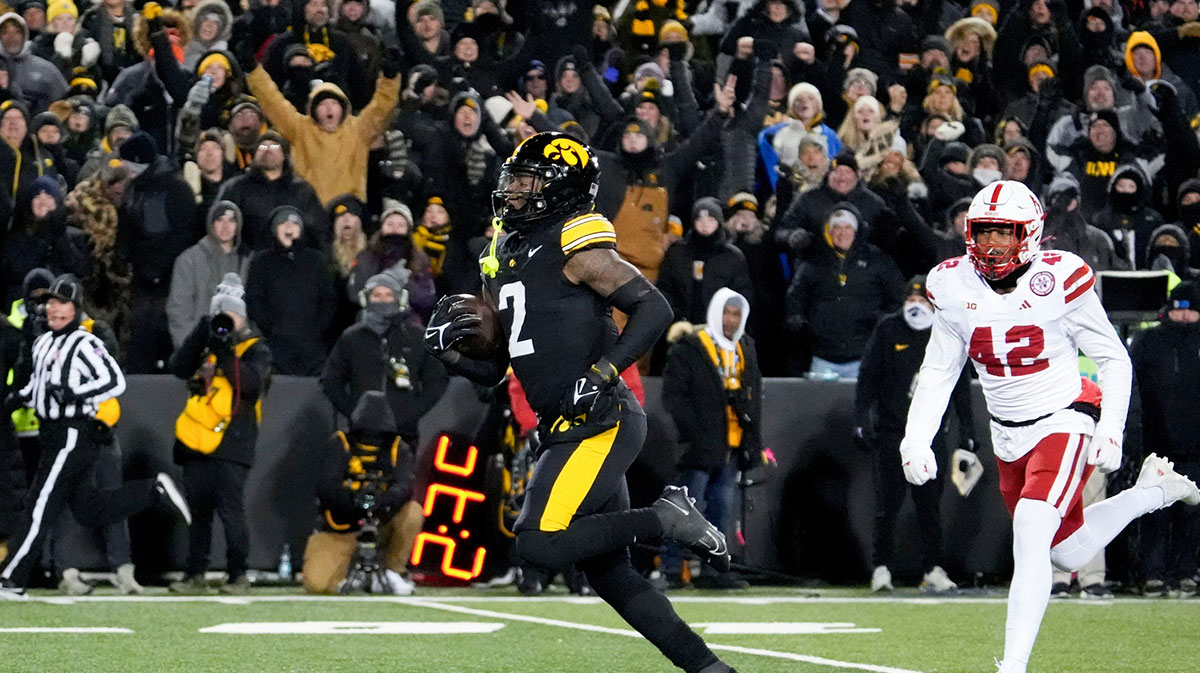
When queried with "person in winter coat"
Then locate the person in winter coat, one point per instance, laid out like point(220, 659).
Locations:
point(119, 124)
point(866, 133)
point(199, 269)
point(712, 388)
point(329, 143)
point(139, 86)
point(952, 235)
point(49, 131)
point(215, 482)
point(838, 296)
point(384, 352)
point(65, 45)
point(803, 223)
point(766, 273)
point(157, 223)
point(779, 145)
point(212, 26)
point(571, 95)
point(290, 296)
point(22, 158)
point(1024, 163)
point(105, 275)
point(776, 22)
point(948, 176)
point(268, 183)
point(332, 51)
point(1095, 157)
point(37, 239)
point(1066, 228)
point(1168, 249)
point(1128, 217)
point(1166, 366)
point(889, 369)
point(972, 39)
point(356, 20)
point(110, 22)
point(1187, 206)
point(39, 80)
point(208, 90)
point(390, 249)
point(702, 262)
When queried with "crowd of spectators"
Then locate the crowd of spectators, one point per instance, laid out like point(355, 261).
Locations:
point(809, 155)
point(381, 125)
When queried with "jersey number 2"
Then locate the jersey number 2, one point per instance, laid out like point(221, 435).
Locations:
point(516, 293)
point(1029, 342)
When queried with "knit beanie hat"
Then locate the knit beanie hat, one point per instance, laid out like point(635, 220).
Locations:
point(346, 203)
point(383, 280)
point(842, 215)
point(742, 201)
point(139, 149)
point(224, 208)
point(283, 214)
point(392, 206)
point(710, 206)
point(120, 115)
point(229, 296)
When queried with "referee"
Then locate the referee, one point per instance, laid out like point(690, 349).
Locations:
point(73, 376)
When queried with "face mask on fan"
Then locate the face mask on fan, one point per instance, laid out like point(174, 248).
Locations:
point(986, 176)
point(918, 315)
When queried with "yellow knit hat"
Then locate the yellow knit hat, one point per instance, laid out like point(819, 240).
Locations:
point(58, 7)
point(214, 59)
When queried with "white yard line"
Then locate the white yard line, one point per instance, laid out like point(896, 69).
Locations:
point(790, 656)
point(65, 629)
point(579, 600)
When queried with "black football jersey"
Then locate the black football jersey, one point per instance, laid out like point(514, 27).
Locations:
point(554, 328)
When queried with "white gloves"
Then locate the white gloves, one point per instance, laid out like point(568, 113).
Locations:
point(63, 43)
point(1104, 451)
point(89, 53)
point(949, 131)
point(919, 463)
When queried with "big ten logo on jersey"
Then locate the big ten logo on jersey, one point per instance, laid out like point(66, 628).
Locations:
point(569, 151)
point(454, 488)
point(1021, 345)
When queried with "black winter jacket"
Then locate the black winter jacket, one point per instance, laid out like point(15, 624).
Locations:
point(257, 196)
point(360, 361)
point(696, 398)
point(290, 296)
point(720, 265)
point(157, 223)
point(839, 317)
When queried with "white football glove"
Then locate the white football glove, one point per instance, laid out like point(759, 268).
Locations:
point(1104, 452)
point(919, 463)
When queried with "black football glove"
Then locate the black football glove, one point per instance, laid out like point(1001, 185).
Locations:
point(452, 321)
point(588, 388)
point(197, 387)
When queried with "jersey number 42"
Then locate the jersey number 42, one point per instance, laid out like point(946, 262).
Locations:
point(1027, 341)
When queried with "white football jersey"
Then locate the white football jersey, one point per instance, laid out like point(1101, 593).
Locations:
point(1024, 345)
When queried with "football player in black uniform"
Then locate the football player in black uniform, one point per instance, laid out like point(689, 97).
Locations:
point(554, 276)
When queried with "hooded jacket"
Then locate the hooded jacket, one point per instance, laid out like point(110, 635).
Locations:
point(41, 83)
point(1176, 258)
point(342, 68)
point(1070, 231)
point(1189, 218)
point(115, 38)
point(199, 270)
point(334, 163)
point(20, 166)
point(1129, 219)
point(256, 196)
point(33, 243)
point(1166, 366)
point(695, 391)
point(838, 297)
point(196, 49)
point(1141, 38)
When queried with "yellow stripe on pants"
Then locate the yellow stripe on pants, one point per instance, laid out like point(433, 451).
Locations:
point(576, 479)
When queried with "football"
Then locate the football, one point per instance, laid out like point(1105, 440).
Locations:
point(481, 346)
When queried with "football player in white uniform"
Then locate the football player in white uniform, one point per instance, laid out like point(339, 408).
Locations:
point(1022, 316)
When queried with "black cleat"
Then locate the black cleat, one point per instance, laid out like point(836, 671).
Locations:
point(683, 523)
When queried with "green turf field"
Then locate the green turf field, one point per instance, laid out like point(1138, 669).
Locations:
point(508, 633)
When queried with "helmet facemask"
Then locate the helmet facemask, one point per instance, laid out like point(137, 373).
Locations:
point(518, 196)
point(996, 261)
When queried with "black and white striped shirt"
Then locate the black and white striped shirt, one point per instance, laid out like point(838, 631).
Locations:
point(78, 361)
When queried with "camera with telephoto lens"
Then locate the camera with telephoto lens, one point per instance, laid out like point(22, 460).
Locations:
point(221, 330)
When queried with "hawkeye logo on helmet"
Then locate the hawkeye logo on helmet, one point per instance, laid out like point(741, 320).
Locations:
point(571, 152)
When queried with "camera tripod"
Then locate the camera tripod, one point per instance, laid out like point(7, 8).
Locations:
point(365, 571)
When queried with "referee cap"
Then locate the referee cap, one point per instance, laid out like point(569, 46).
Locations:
point(67, 287)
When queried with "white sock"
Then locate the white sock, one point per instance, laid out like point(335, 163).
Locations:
point(1101, 523)
point(1034, 524)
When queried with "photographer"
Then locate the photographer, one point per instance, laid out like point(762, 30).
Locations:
point(227, 365)
point(712, 387)
point(384, 352)
point(365, 487)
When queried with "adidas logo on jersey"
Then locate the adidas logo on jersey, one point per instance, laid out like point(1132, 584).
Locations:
point(1024, 305)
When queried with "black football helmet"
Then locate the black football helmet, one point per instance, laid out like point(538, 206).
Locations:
point(555, 175)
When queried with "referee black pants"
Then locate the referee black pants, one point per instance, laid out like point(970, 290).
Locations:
point(69, 452)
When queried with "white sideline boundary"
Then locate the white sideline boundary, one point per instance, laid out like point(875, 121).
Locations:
point(790, 656)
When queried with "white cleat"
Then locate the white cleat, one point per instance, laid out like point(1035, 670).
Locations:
point(881, 579)
point(936, 581)
point(392, 584)
point(1001, 667)
point(1160, 472)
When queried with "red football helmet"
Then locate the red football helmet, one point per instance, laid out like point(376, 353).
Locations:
point(1005, 203)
